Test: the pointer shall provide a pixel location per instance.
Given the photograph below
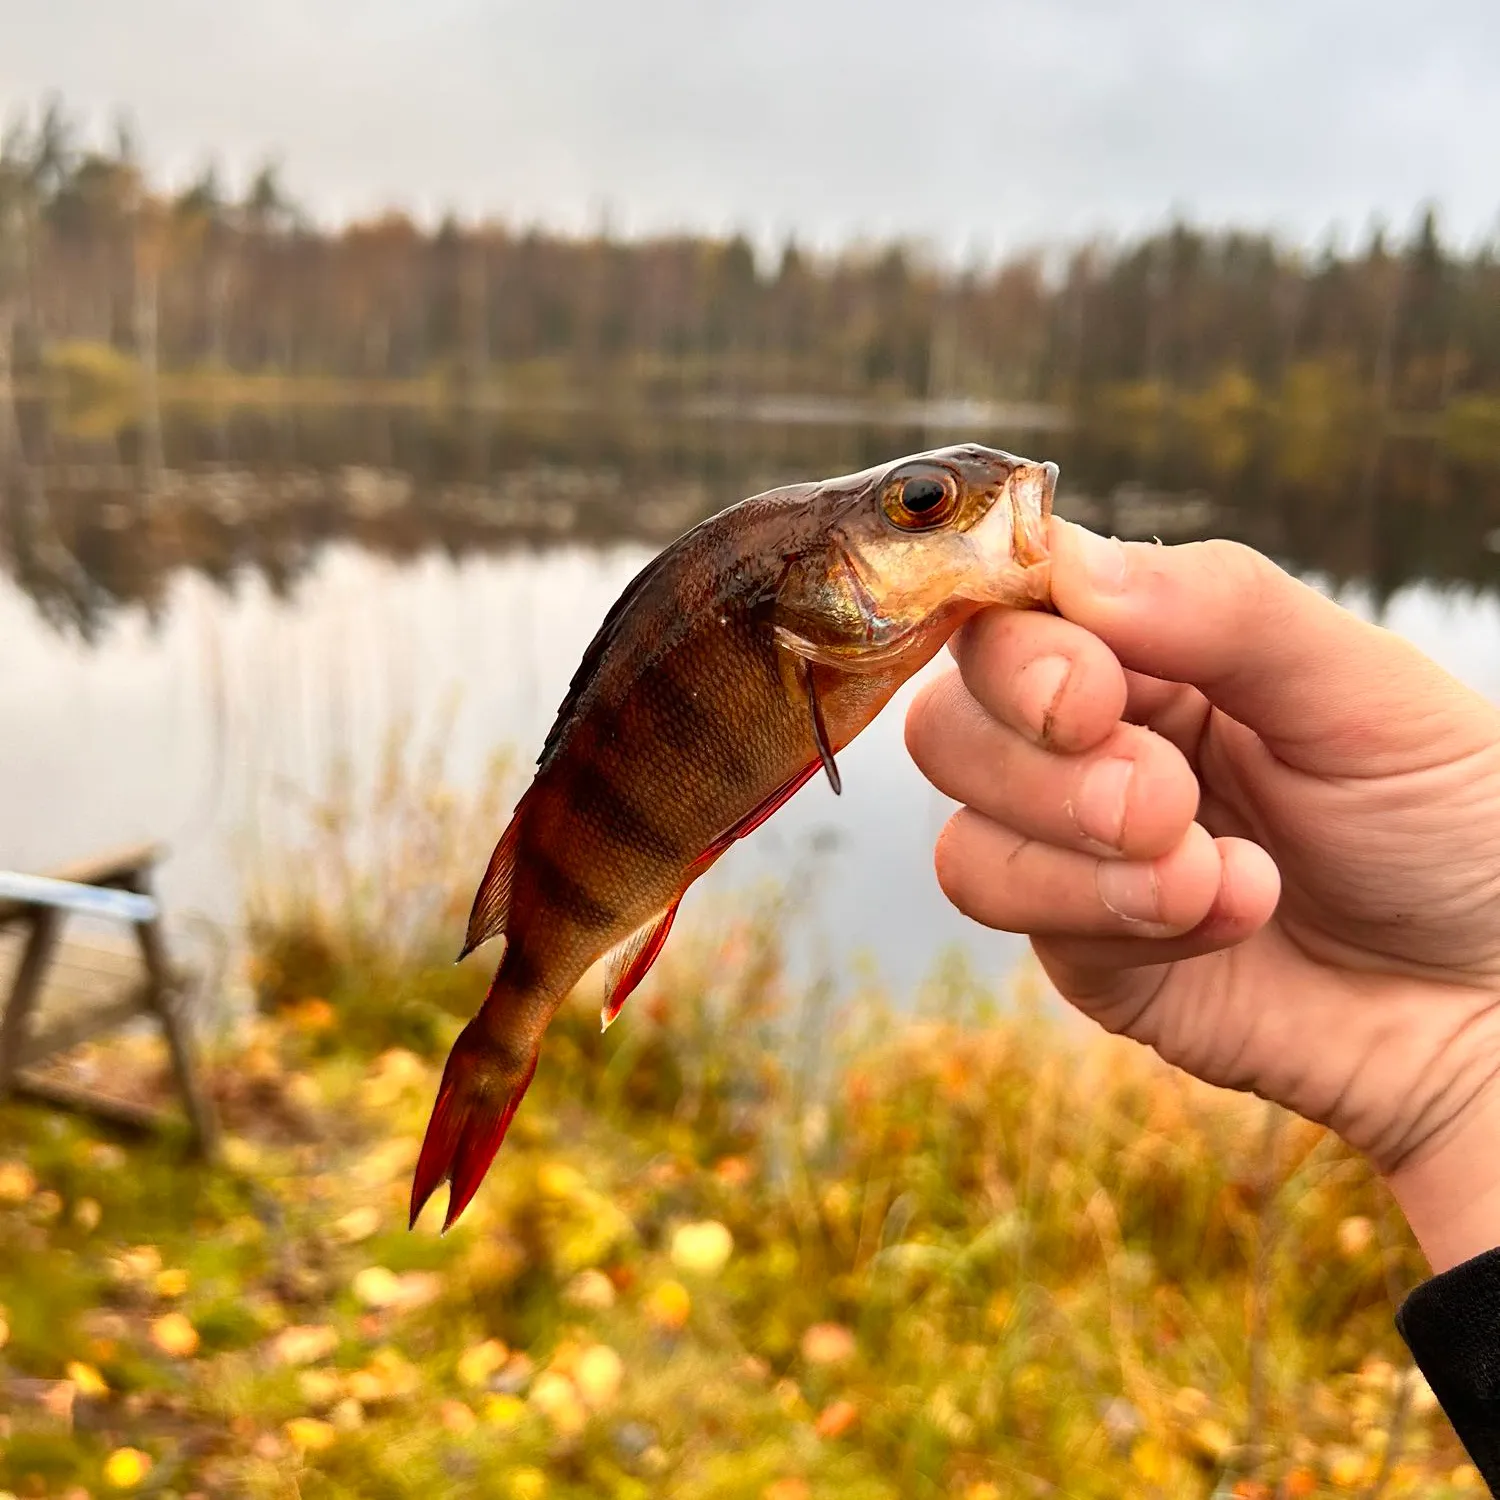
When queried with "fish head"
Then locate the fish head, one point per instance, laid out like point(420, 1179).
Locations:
point(912, 547)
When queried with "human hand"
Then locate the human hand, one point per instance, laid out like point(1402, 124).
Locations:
point(1253, 832)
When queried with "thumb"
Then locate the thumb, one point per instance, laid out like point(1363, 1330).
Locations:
point(1328, 691)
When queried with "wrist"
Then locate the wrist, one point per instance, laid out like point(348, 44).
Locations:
point(1449, 1188)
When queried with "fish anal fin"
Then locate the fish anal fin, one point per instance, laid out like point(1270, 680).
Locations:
point(492, 899)
point(632, 960)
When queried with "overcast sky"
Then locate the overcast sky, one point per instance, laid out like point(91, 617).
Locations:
point(980, 124)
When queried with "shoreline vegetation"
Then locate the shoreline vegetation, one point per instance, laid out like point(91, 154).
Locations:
point(742, 1247)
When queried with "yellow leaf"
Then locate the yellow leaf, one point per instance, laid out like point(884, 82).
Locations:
point(556, 1179)
point(174, 1335)
point(357, 1225)
point(592, 1290)
point(669, 1305)
point(476, 1365)
point(126, 1467)
point(1348, 1469)
point(376, 1287)
point(598, 1374)
point(1212, 1439)
point(311, 1435)
point(1150, 1460)
point(319, 1388)
point(527, 1483)
point(87, 1213)
point(556, 1397)
point(702, 1249)
point(17, 1182)
point(503, 1411)
point(171, 1283)
point(90, 1382)
point(303, 1344)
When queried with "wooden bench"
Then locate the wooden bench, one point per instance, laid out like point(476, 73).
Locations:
point(63, 992)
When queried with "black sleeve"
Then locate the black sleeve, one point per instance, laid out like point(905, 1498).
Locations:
point(1451, 1324)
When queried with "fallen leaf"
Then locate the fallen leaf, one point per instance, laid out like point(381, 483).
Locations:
point(702, 1249)
point(310, 1435)
point(126, 1467)
point(598, 1373)
point(556, 1397)
point(357, 1225)
point(669, 1305)
point(17, 1182)
point(456, 1417)
point(476, 1365)
point(91, 1384)
point(836, 1419)
point(592, 1290)
point(527, 1483)
point(303, 1344)
point(173, 1334)
point(171, 1283)
point(828, 1344)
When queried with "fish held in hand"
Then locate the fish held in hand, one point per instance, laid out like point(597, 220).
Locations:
point(733, 668)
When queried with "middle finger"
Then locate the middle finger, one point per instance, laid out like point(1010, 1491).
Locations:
point(1132, 795)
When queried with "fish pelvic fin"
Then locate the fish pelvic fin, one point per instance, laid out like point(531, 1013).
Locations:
point(492, 900)
point(631, 962)
point(481, 1090)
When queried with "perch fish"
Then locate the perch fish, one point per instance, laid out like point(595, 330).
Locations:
point(734, 666)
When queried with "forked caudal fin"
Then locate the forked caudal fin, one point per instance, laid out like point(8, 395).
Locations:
point(481, 1090)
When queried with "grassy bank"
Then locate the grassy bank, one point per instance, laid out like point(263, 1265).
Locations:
point(986, 1259)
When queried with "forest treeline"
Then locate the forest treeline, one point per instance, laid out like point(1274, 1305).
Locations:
point(95, 254)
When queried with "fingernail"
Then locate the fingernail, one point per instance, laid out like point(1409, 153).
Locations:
point(1038, 687)
point(1103, 559)
point(1099, 808)
point(1128, 889)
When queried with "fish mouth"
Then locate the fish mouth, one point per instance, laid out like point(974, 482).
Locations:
point(1032, 488)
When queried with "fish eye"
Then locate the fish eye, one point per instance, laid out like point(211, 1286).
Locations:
point(916, 502)
point(920, 495)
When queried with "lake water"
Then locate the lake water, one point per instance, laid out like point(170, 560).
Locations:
point(183, 644)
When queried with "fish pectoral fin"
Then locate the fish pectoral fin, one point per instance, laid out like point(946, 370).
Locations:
point(492, 899)
point(630, 962)
point(820, 729)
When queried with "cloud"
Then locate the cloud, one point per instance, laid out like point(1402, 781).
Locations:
point(967, 122)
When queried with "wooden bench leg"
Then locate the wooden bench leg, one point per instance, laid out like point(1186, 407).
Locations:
point(162, 997)
point(24, 992)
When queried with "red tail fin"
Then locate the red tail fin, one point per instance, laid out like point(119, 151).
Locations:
point(476, 1102)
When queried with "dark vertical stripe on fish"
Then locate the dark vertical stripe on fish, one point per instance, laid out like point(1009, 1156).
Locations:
point(700, 723)
point(596, 796)
point(563, 893)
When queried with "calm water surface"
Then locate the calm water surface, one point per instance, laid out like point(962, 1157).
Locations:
point(184, 649)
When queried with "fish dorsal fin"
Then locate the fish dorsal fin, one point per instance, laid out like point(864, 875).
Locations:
point(492, 899)
point(598, 648)
point(630, 962)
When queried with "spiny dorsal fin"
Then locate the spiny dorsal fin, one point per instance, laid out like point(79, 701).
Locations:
point(492, 899)
point(630, 962)
point(597, 649)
